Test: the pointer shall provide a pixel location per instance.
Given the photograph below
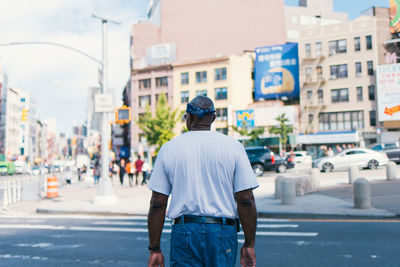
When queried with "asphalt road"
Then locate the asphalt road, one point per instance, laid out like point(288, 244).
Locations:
point(111, 241)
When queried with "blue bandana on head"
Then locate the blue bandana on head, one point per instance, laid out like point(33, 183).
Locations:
point(192, 109)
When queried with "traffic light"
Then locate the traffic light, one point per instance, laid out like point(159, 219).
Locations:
point(123, 115)
point(25, 114)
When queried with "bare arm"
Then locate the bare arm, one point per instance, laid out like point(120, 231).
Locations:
point(155, 223)
point(248, 217)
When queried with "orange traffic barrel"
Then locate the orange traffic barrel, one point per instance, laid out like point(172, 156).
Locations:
point(52, 186)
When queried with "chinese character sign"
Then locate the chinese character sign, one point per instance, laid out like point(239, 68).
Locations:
point(388, 92)
point(277, 72)
point(245, 118)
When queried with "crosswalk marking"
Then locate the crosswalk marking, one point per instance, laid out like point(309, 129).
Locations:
point(277, 225)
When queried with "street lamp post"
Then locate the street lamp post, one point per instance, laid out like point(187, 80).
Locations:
point(105, 195)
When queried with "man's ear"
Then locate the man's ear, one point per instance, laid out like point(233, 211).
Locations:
point(213, 119)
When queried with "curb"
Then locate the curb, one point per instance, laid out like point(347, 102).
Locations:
point(284, 215)
point(274, 215)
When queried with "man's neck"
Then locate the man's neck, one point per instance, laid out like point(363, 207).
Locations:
point(200, 128)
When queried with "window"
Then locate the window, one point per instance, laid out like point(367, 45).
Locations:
point(358, 69)
point(310, 118)
point(162, 82)
point(184, 96)
point(372, 118)
point(201, 76)
point(340, 95)
point(222, 130)
point(357, 44)
point(368, 40)
point(370, 65)
point(318, 48)
point(221, 114)
point(319, 72)
point(309, 94)
point(337, 46)
point(144, 100)
point(220, 74)
point(308, 50)
point(185, 78)
point(158, 95)
point(359, 93)
point(338, 71)
point(221, 93)
point(348, 120)
point(144, 84)
point(371, 92)
point(308, 73)
point(320, 96)
point(201, 93)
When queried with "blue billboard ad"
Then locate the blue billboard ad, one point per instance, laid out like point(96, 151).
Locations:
point(245, 118)
point(277, 72)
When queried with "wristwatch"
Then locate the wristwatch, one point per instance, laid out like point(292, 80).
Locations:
point(155, 249)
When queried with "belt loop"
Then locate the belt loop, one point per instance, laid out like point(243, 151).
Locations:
point(223, 222)
point(183, 219)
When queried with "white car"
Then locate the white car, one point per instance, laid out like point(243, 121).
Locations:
point(302, 157)
point(361, 157)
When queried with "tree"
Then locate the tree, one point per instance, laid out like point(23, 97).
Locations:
point(254, 133)
point(159, 128)
point(283, 129)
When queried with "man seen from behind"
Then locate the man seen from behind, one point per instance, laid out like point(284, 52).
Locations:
point(210, 180)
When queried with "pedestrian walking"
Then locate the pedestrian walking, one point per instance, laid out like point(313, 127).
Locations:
point(122, 171)
point(145, 172)
point(211, 182)
point(97, 172)
point(138, 166)
point(130, 170)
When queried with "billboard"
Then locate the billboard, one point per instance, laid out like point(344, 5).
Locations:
point(394, 16)
point(245, 118)
point(388, 92)
point(277, 72)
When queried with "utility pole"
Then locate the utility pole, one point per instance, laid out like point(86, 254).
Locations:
point(104, 194)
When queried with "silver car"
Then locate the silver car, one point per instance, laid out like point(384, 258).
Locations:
point(361, 157)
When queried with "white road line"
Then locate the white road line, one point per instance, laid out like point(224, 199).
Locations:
point(277, 225)
point(125, 223)
point(131, 230)
point(271, 220)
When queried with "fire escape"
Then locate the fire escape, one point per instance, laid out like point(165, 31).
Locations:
point(312, 82)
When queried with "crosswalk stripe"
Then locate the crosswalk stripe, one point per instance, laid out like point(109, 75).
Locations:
point(133, 230)
point(277, 225)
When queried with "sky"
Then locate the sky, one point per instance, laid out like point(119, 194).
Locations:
point(58, 79)
point(351, 7)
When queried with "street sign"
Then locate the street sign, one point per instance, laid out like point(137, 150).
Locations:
point(103, 103)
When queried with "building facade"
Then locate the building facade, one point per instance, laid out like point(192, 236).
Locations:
point(205, 29)
point(309, 13)
point(337, 77)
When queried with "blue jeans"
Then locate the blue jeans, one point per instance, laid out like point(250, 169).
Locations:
point(198, 244)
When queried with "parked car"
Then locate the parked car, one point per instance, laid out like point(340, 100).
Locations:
point(392, 150)
point(35, 170)
point(7, 168)
point(263, 159)
point(361, 157)
point(20, 167)
point(302, 157)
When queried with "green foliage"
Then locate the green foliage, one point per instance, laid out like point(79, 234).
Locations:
point(283, 129)
point(253, 133)
point(159, 128)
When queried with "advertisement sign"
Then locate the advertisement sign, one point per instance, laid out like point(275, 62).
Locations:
point(277, 72)
point(388, 92)
point(160, 54)
point(245, 118)
point(394, 16)
point(103, 103)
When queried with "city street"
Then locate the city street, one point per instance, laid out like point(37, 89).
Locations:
point(122, 241)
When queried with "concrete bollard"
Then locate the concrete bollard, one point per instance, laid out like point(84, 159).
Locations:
point(278, 182)
point(362, 194)
point(353, 174)
point(391, 170)
point(315, 178)
point(288, 192)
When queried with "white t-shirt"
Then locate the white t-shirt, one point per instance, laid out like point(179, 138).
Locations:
point(202, 170)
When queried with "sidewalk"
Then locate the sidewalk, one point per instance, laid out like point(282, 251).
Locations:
point(330, 202)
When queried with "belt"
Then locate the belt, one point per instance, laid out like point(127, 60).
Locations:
point(206, 219)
